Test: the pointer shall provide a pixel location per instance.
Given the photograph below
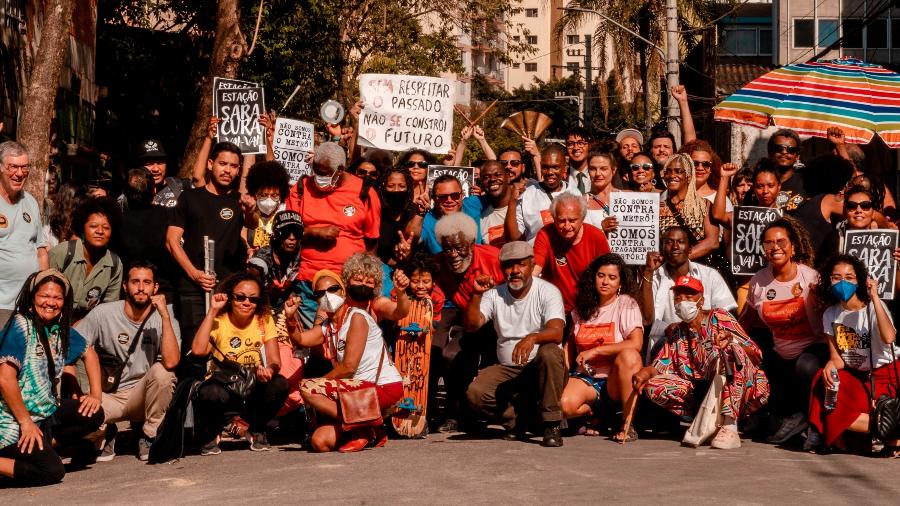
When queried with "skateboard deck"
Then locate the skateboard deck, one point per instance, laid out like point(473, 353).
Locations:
point(412, 354)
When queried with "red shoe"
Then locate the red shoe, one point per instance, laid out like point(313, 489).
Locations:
point(358, 441)
point(380, 437)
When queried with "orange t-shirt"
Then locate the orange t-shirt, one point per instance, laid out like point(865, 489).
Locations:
point(357, 221)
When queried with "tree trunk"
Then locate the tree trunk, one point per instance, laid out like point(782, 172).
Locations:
point(228, 50)
point(40, 94)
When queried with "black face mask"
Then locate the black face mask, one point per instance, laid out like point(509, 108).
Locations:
point(361, 293)
point(395, 200)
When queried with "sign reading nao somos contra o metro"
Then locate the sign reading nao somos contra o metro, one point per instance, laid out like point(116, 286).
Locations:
point(293, 141)
point(238, 105)
point(638, 230)
point(876, 249)
point(405, 112)
point(748, 223)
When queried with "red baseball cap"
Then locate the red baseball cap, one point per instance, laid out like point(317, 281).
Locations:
point(689, 283)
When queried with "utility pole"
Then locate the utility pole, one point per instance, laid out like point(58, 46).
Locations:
point(588, 85)
point(672, 68)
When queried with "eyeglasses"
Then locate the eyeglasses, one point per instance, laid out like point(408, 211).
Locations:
point(239, 297)
point(865, 205)
point(837, 277)
point(641, 166)
point(456, 250)
point(410, 164)
point(576, 144)
point(512, 163)
point(367, 173)
point(448, 196)
point(12, 169)
point(778, 243)
point(317, 294)
point(784, 148)
point(706, 164)
point(674, 172)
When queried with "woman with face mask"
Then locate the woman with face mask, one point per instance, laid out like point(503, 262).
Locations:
point(605, 349)
point(861, 335)
point(355, 345)
point(267, 186)
point(401, 221)
point(703, 345)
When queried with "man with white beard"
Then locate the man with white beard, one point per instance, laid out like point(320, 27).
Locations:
point(528, 316)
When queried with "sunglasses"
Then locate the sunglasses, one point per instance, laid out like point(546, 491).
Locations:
point(785, 148)
point(641, 166)
point(706, 164)
point(317, 294)
point(422, 165)
point(448, 196)
point(865, 205)
point(781, 244)
point(512, 163)
point(239, 297)
point(367, 173)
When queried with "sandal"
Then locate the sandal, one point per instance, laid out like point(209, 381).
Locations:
point(630, 437)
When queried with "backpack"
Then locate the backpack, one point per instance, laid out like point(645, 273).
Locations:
point(70, 255)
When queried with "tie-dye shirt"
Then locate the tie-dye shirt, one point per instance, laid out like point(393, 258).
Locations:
point(21, 348)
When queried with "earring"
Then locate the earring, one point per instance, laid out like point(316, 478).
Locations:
point(653, 181)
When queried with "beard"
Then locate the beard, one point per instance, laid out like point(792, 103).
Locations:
point(135, 303)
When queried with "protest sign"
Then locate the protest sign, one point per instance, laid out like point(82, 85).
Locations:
point(293, 141)
point(638, 230)
point(405, 112)
point(222, 83)
point(465, 175)
point(238, 111)
point(875, 248)
point(748, 223)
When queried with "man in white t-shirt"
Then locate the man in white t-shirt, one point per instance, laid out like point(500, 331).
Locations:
point(494, 201)
point(656, 290)
point(532, 211)
point(528, 316)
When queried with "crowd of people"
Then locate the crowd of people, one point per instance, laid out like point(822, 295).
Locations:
point(227, 305)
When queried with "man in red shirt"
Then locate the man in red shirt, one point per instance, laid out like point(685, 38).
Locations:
point(562, 252)
point(455, 355)
point(339, 219)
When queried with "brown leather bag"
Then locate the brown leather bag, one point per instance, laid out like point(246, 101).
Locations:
point(359, 407)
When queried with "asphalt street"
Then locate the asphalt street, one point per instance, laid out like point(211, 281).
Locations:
point(457, 469)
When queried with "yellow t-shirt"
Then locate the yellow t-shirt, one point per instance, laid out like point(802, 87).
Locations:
point(241, 345)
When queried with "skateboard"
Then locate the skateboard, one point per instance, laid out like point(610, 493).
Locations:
point(412, 353)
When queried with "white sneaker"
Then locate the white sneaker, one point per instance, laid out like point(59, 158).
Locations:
point(726, 439)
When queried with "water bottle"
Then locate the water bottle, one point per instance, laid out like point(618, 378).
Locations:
point(832, 393)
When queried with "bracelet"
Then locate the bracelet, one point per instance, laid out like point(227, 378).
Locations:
point(647, 278)
point(335, 138)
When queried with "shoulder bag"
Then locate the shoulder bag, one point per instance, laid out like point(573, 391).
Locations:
point(885, 419)
point(111, 366)
point(359, 406)
point(709, 416)
point(235, 378)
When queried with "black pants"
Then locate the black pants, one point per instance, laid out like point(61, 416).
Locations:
point(215, 405)
point(43, 466)
point(457, 356)
point(791, 379)
point(190, 311)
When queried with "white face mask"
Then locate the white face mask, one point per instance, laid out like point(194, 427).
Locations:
point(687, 310)
point(331, 302)
point(267, 206)
point(325, 182)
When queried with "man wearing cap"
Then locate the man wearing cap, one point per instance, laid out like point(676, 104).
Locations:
point(702, 345)
point(529, 318)
point(152, 157)
point(660, 272)
point(578, 143)
point(630, 142)
point(279, 262)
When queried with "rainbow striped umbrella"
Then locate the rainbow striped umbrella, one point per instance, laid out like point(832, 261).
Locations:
point(861, 98)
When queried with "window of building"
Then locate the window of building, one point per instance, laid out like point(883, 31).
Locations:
point(853, 33)
point(740, 41)
point(765, 41)
point(531, 67)
point(517, 38)
point(573, 66)
point(516, 65)
point(895, 33)
point(804, 33)
point(572, 39)
point(828, 32)
point(531, 13)
point(876, 34)
point(532, 39)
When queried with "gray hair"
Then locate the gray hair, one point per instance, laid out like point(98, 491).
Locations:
point(456, 223)
point(10, 149)
point(365, 265)
point(331, 154)
point(565, 198)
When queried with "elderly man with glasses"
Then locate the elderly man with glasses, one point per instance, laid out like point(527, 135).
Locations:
point(23, 249)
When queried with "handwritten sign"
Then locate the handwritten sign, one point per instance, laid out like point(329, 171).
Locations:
point(875, 248)
point(465, 175)
point(294, 139)
point(238, 110)
point(748, 223)
point(638, 231)
point(222, 83)
point(405, 112)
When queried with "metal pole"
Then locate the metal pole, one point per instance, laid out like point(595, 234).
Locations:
point(588, 85)
point(672, 68)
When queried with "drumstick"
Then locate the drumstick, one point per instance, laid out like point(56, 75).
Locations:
point(485, 111)
point(460, 112)
point(628, 411)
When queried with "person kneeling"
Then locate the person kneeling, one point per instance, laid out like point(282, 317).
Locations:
point(354, 343)
point(691, 356)
point(529, 318)
point(236, 328)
